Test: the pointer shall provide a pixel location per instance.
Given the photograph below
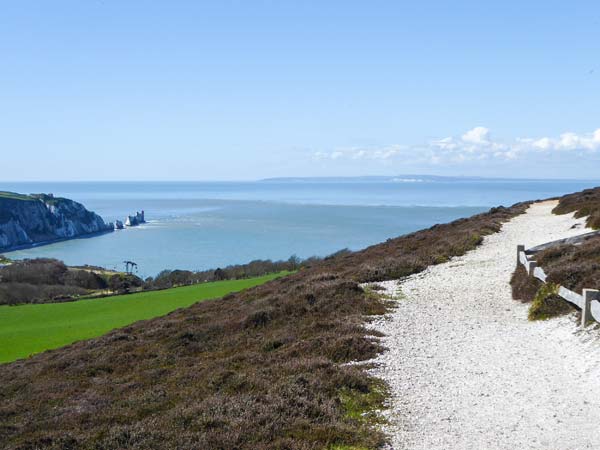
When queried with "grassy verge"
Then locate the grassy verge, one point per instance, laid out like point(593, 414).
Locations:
point(364, 406)
point(547, 303)
point(15, 196)
point(29, 329)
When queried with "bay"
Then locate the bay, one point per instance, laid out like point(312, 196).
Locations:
point(202, 225)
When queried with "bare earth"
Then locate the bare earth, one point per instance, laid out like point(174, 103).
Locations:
point(466, 368)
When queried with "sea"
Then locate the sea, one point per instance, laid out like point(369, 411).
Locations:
point(205, 225)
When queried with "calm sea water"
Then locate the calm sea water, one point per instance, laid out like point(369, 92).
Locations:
point(202, 225)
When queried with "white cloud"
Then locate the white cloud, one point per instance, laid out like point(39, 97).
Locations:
point(475, 144)
point(478, 135)
point(542, 144)
point(568, 141)
point(382, 153)
point(445, 143)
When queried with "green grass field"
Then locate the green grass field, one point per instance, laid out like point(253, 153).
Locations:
point(15, 196)
point(29, 329)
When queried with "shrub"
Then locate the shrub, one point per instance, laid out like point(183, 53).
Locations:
point(523, 286)
point(547, 303)
point(85, 279)
point(171, 278)
point(122, 283)
point(45, 280)
point(17, 293)
point(35, 271)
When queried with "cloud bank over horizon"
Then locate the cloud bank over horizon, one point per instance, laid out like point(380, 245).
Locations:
point(475, 145)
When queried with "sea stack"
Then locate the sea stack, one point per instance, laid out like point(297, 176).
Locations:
point(137, 219)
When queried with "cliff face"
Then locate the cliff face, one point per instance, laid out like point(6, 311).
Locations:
point(31, 219)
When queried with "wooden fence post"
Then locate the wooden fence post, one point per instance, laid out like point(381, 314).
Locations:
point(531, 265)
point(520, 248)
point(586, 311)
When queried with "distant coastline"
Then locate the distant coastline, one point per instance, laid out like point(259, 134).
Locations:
point(411, 177)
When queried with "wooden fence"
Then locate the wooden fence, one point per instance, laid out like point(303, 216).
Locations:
point(589, 302)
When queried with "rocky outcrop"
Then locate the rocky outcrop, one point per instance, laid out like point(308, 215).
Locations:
point(138, 219)
point(41, 218)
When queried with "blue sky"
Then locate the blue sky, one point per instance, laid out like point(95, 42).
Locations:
point(198, 90)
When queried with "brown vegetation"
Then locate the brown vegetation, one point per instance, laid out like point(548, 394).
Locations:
point(46, 280)
point(584, 203)
point(261, 369)
point(575, 267)
point(523, 286)
point(412, 253)
point(544, 298)
point(171, 278)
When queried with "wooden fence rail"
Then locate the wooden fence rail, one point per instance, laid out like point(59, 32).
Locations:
point(589, 302)
point(573, 240)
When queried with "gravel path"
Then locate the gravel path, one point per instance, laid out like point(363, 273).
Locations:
point(466, 368)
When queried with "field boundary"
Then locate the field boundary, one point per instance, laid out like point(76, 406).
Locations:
point(588, 301)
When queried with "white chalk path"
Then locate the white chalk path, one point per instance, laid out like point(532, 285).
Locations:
point(466, 368)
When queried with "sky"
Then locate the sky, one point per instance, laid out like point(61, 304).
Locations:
point(237, 90)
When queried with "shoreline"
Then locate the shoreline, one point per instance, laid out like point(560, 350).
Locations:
point(54, 241)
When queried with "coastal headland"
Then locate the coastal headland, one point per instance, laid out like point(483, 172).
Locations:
point(29, 220)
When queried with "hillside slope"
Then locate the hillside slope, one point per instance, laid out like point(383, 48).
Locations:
point(258, 369)
point(33, 219)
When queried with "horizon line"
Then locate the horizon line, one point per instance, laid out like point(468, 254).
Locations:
point(300, 177)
